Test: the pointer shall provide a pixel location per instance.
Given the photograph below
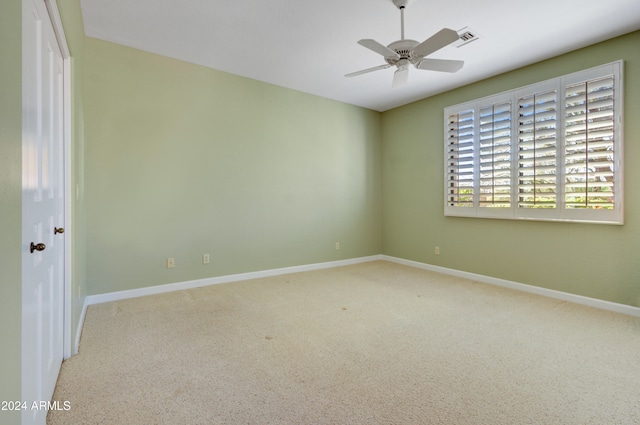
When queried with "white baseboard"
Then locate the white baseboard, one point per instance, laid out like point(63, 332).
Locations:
point(83, 314)
point(170, 287)
point(160, 289)
point(551, 293)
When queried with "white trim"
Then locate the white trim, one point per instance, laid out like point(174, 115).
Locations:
point(58, 29)
point(76, 344)
point(170, 287)
point(550, 293)
point(67, 208)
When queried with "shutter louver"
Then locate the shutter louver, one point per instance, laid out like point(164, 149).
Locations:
point(589, 144)
point(460, 160)
point(495, 156)
point(537, 144)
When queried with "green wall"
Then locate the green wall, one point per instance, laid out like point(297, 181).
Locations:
point(599, 261)
point(10, 204)
point(183, 160)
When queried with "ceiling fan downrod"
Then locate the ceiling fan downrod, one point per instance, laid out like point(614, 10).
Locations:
point(401, 4)
point(402, 23)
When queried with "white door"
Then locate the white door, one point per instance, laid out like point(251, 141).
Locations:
point(43, 211)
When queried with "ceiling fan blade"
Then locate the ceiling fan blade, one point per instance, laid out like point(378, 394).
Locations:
point(442, 65)
point(365, 71)
point(442, 38)
point(378, 48)
point(400, 77)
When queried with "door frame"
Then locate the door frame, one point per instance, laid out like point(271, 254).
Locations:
point(56, 22)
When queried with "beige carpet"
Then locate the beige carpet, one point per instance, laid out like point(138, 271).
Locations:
point(374, 343)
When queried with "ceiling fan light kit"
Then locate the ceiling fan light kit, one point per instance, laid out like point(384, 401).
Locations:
point(405, 52)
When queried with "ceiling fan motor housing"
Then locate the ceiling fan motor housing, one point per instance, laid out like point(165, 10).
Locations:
point(404, 48)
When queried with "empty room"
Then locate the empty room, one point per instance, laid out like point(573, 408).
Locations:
point(364, 212)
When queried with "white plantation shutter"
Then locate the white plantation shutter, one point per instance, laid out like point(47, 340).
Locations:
point(460, 159)
point(549, 151)
point(589, 144)
point(495, 155)
point(537, 146)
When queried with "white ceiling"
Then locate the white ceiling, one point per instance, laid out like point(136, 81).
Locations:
point(310, 45)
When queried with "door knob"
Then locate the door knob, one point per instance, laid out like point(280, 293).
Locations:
point(57, 230)
point(37, 247)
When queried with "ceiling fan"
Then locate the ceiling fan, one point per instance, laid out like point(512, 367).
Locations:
point(404, 52)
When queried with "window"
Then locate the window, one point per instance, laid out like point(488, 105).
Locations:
point(549, 151)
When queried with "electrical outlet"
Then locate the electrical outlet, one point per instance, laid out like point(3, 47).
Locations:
point(171, 262)
point(437, 250)
point(205, 258)
point(337, 245)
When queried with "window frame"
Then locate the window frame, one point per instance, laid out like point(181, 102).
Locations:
point(559, 212)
